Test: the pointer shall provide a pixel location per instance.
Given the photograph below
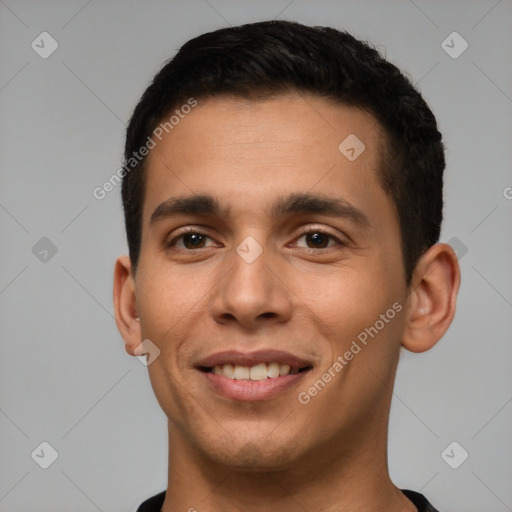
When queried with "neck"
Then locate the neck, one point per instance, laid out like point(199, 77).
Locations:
point(332, 479)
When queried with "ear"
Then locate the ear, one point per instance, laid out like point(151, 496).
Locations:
point(432, 298)
point(125, 305)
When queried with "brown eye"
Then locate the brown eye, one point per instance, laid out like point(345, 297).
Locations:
point(189, 241)
point(317, 239)
point(193, 240)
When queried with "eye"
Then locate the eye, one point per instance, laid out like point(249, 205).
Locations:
point(319, 239)
point(189, 240)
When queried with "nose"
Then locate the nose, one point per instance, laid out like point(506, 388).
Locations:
point(253, 294)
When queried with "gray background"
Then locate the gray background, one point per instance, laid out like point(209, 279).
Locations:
point(64, 376)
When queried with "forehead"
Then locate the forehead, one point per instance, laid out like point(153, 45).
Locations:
point(232, 124)
point(248, 152)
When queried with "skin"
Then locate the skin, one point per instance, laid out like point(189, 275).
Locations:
point(297, 296)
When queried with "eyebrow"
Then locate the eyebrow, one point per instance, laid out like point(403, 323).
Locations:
point(208, 205)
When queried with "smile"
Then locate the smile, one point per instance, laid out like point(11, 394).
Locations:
point(258, 372)
point(256, 376)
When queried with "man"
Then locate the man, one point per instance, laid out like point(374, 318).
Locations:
point(283, 202)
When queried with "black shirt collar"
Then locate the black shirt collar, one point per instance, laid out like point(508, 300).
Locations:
point(155, 503)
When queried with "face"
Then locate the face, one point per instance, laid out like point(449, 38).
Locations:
point(288, 265)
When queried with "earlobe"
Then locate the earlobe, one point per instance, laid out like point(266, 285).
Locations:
point(125, 305)
point(432, 298)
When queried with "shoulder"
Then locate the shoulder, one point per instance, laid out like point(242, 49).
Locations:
point(153, 504)
point(421, 503)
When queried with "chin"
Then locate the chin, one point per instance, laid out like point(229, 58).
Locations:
point(251, 453)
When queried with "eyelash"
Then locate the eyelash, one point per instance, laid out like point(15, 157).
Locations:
point(311, 230)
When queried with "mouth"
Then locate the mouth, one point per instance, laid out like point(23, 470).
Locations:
point(257, 372)
point(253, 377)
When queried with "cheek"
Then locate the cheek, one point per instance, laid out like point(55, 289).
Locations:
point(349, 297)
point(172, 302)
point(165, 294)
point(163, 303)
point(362, 313)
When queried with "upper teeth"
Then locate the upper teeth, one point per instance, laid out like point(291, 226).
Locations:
point(260, 371)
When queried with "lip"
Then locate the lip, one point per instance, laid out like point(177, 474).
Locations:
point(253, 358)
point(251, 390)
